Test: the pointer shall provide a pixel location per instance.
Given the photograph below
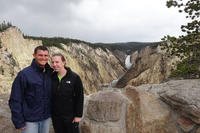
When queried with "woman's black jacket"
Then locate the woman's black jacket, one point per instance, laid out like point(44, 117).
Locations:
point(67, 96)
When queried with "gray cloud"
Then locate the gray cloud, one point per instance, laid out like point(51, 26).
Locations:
point(93, 20)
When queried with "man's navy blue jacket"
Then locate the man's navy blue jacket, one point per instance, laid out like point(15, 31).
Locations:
point(30, 95)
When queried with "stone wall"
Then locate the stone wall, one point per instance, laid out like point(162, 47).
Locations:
point(125, 111)
point(171, 107)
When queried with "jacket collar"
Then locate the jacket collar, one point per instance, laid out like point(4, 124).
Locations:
point(68, 72)
point(38, 68)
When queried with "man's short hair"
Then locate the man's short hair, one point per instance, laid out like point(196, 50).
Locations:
point(40, 48)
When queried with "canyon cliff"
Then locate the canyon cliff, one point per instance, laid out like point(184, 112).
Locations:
point(149, 65)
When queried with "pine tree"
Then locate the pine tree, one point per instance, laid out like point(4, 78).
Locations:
point(186, 46)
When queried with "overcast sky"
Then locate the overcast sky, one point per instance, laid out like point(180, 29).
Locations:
point(94, 20)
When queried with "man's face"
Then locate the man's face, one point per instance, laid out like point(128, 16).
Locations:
point(41, 57)
point(57, 63)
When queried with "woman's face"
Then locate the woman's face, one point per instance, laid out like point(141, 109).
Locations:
point(57, 63)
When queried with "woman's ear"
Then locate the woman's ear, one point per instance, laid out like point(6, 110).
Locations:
point(64, 63)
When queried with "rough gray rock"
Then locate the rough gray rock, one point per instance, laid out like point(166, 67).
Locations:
point(126, 111)
point(183, 96)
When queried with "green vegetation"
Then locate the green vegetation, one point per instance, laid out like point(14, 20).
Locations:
point(186, 46)
point(187, 69)
point(4, 26)
point(132, 46)
point(55, 41)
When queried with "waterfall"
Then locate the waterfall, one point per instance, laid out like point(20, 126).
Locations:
point(128, 63)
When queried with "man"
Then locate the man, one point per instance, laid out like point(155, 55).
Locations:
point(30, 95)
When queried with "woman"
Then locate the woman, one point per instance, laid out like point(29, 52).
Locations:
point(67, 97)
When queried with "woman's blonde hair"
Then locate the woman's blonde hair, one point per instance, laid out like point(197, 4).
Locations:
point(61, 55)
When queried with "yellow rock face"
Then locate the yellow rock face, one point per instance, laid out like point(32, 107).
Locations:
point(95, 66)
